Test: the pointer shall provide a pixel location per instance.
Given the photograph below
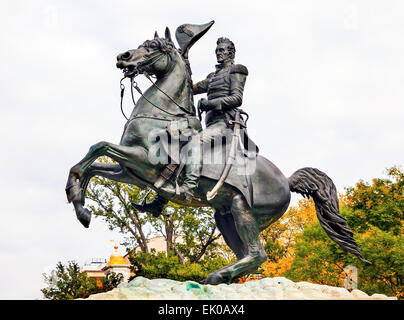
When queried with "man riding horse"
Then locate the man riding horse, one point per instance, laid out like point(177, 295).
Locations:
point(167, 106)
point(224, 88)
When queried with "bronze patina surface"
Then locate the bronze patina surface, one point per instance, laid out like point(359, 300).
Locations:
point(248, 201)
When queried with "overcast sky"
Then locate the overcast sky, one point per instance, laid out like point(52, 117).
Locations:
point(325, 90)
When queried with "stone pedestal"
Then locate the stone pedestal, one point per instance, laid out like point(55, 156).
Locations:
point(265, 289)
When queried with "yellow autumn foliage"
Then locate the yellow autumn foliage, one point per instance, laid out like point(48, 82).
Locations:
point(291, 224)
point(276, 269)
point(284, 232)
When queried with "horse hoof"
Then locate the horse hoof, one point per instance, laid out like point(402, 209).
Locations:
point(85, 217)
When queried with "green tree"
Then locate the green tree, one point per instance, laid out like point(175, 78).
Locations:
point(378, 203)
point(386, 274)
point(154, 265)
point(111, 200)
point(317, 258)
point(198, 233)
point(67, 282)
point(375, 213)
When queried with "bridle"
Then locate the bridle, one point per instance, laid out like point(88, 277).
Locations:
point(140, 69)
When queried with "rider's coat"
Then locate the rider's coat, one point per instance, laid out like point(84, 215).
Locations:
point(224, 89)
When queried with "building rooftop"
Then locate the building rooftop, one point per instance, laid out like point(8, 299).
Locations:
point(116, 259)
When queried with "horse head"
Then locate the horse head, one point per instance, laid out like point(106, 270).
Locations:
point(153, 57)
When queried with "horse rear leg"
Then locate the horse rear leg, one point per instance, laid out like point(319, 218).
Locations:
point(225, 224)
point(248, 231)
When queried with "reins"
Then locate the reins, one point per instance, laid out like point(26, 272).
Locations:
point(122, 94)
point(154, 84)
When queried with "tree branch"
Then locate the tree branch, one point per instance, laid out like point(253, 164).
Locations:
point(178, 253)
point(211, 239)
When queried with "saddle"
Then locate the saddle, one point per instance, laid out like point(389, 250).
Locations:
point(214, 157)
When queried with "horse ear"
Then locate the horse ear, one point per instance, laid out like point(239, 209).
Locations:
point(168, 34)
point(156, 35)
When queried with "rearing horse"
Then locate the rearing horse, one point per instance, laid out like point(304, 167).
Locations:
point(170, 99)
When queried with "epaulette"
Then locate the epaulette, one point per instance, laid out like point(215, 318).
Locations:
point(239, 68)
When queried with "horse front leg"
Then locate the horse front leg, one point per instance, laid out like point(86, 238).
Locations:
point(74, 193)
point(79, 176)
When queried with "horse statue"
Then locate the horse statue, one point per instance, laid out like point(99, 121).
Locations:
point(170, 100)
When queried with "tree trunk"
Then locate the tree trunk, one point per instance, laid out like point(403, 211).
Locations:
point(169, 226)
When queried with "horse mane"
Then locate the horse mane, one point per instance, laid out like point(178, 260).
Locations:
point(166, 45)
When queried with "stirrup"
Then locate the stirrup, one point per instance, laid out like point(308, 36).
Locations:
point(155, 207)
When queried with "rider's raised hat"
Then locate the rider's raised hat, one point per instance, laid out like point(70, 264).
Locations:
point(188, 34)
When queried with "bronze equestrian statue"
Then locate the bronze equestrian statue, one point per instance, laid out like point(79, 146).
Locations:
point(246, 201)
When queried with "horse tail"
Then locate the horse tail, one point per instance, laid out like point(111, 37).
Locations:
point(311, 182)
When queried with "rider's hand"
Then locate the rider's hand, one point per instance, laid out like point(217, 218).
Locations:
point(206, 105)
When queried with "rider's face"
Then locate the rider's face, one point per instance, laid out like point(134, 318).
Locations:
point(222, 53)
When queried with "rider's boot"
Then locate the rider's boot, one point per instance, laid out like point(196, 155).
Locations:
point(155, 207)
point(191, 180)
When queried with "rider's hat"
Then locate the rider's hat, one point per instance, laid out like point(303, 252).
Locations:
point(188, 34)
